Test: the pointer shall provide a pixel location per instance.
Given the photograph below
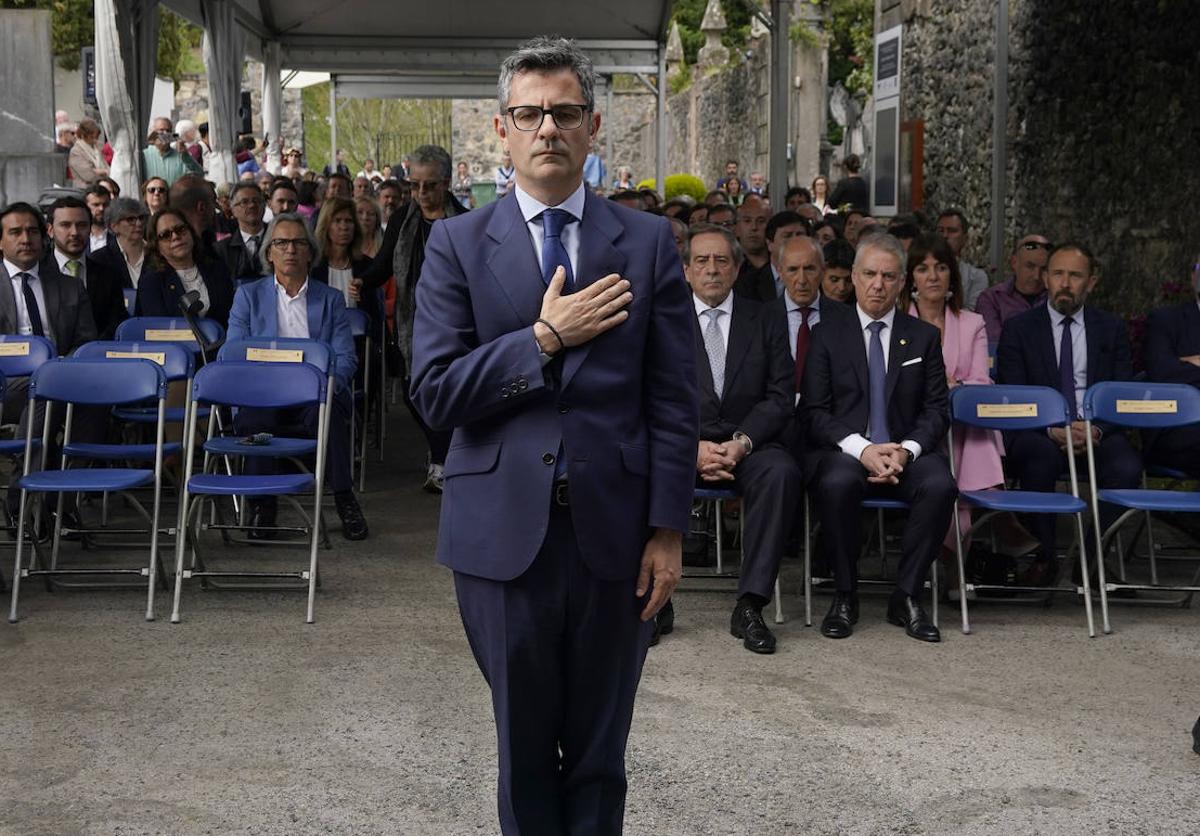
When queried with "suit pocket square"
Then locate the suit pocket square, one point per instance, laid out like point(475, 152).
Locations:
point(911, 362)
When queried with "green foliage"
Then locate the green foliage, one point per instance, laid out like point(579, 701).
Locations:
point(690, 13)
point(851, 25)
point(72, 27)
point(383, 130)
point(679, 184)
point(680, 81)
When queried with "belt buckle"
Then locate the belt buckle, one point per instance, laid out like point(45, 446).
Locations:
point(561, 494)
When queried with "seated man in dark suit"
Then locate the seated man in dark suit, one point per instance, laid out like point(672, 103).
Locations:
point(289, 304)
point(240, 250)
point(875, 401)
point(1068, 347)
point(69, 258)
point(1173, 356)
point(746, 403)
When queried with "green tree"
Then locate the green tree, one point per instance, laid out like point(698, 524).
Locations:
point(689, 14)
point(851, 44)
point(73, 26)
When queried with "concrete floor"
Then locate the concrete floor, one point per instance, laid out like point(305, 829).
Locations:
point(375, 720)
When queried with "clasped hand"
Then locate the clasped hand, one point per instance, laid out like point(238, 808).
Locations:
point(715, 462)
point(581, 316)
point(1078, 436)
point(884, 463)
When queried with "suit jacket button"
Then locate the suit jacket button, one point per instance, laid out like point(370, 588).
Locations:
point(563, 409)
point(504, 393)
point(547, 458)
point(522, 385)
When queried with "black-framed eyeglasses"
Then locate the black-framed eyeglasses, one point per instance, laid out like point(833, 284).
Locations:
point(567, 117)
point(287, 244)
point(179, 231)
point(1037, 245)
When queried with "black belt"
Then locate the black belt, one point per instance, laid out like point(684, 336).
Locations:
point(561, 495)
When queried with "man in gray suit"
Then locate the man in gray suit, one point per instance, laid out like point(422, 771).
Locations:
point(36, 299)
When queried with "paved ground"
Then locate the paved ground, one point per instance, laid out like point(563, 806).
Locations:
point(375, 720)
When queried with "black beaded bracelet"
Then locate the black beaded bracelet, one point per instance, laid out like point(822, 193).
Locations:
point(561, 345)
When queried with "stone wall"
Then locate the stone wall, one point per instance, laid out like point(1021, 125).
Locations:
point(191, 101)
point(1101, 132)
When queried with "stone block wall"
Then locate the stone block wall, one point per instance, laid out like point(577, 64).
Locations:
point(1101, 131)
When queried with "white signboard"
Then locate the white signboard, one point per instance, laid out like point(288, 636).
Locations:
point(885, 152)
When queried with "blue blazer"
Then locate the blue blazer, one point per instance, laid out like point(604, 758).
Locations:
point(623, 407)
point(254, 314)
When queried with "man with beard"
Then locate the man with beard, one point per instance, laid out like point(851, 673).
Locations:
point(97, 199)
point(1067, 346)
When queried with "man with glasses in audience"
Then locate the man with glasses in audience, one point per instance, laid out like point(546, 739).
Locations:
point(723, 215)
point(554, 333)
point(165, 154)
point(402, 254)
point(1024, 291)
point(1173, 356)
point(240, 250)
point(287, 304)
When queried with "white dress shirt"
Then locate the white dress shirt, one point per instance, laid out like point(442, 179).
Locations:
point(723, 322)
point(340, 278)
point(35, 283)
point(97, 242)
point(1078, 349)
point(531, 211)
point(134, 267)
point(246, 236)
point(192, 280)
point(62, 259)
point(794, 318)
point(855, 443)
point(291, 312)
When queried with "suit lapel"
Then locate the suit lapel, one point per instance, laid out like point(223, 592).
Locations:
point(597, 258)
point(703, 367)
point(741, 331)
point(1047, 350)
point(1091, 330)
point(52, 293)
point(8, 303)
point(951, 346)
point(855, 346)
point(513, 263)
point(899, 347)
point(315, 305)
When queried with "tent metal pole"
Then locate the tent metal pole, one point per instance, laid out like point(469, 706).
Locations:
point(660, 124)
point(333, 143)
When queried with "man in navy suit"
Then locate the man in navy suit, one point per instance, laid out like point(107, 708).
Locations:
point(1173, 356)
point(289, 304)
point(876, 404)
point(747, 403)
point(1067, 346)
point(553, 334)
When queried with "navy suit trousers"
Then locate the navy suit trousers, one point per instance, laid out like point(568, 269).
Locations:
point(562, 652)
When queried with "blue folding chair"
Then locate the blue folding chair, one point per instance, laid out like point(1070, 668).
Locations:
point(1143, 406)
point(1013, 408)
point(94, 383)
point(170, 329)
point(273, 350)
point(20, 357)
point(242, 384)
point(360, 328)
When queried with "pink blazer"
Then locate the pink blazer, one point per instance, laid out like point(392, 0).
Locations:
point(964, 350)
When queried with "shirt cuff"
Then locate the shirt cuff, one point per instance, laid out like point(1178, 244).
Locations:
point(853, 445)
point(912, 447)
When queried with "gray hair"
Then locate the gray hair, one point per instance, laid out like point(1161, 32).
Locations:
point(124, 207)
point(889, 244)
point(426, 154)
point(812, 243)
point(546, 54)
point(713, 229)
point(269, 236)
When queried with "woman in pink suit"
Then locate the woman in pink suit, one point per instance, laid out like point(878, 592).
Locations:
point(935, 287)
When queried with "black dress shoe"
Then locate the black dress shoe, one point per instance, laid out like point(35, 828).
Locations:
point(842, 616)
point(655, 634)
point(907, 612)
point(665, 620)
point(262, 520)
point(747, 624)
point(354, 525)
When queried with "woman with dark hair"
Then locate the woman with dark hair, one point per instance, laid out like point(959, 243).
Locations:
point(179, 267)
point(340, 242)
point(820, 194)
point(306, 205)
point(934, 290)
point(733, 190)
point(154, 194)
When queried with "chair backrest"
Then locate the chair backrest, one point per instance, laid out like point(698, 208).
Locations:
point(279, 350)
point(259, 385)
point(360, 323)
point(171, 329)
point(1142, 404)
point(98, 382)
point(130, 300)
point(177, 362)
point(21, 356)
point(996, 407)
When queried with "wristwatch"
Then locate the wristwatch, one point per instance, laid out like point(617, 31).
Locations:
point(745, 441)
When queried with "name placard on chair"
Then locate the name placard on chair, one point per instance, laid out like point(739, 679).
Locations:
point(1006, 410)
point(275, 355)
point(157, 356)
point(1148, 407)
point(14, 349)
point(170, 335)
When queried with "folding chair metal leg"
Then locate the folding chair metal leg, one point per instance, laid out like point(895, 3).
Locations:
point(1087, 582)
point(719, 510)
point(778, 603)
point(16, 579)
point(807, 565)
point(962, 573)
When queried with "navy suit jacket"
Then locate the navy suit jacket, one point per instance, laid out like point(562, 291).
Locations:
point(759, 375)
point(159, 292)
point(1025, 356)
point(623, 406)
point(1172, 333)
point(254, 314)
point(835, 386)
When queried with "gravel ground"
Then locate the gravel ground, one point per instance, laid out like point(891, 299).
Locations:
point(375, 720)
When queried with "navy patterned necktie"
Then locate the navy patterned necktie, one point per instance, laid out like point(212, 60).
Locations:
point(1066, 368)
point(31, 306)
point(554, 253)
point(877, 425)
